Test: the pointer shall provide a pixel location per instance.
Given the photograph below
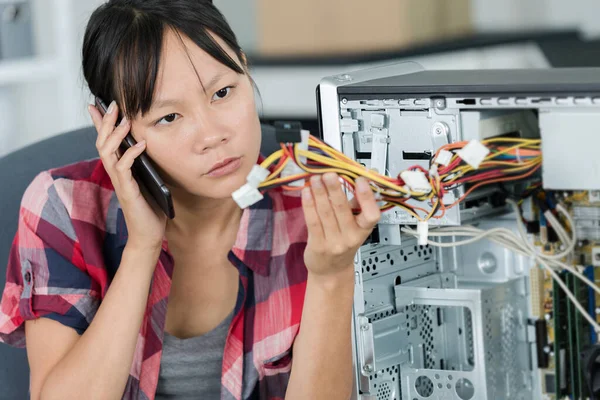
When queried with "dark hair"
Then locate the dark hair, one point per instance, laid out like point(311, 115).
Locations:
point(123, 43)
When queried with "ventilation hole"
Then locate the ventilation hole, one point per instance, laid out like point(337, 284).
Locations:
point(416, 248)
point(419, 254)
point(374, 267)
point(398, 281)
point(364, 262)
point(430, 250)
point(465, 389)
point(424, 386)
point(388, 256)
point(376, 259)
point(370, 261)
point(401, 252)
point(405, 259)
point(368, 269)
point(391, 262)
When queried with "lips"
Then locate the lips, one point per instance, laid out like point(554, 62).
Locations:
point(223, 163)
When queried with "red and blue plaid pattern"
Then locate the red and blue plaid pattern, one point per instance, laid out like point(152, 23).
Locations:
point(69, 244)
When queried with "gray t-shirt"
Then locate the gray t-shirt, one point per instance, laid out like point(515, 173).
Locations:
point(191, 368)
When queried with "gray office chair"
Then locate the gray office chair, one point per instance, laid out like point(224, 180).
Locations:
point(17, 170)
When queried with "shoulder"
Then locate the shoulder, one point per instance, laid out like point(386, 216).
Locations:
point(81, 190)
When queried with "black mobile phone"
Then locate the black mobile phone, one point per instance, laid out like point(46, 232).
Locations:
point(144, 172)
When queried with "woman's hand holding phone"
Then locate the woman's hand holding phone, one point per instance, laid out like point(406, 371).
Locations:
point(146, 223)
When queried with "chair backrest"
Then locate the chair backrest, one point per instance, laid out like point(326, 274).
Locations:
point(17, 170)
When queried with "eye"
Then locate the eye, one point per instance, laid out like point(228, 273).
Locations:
point(167, 119)
point(223, 93)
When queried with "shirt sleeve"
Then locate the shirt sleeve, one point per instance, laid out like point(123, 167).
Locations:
point(46, 275)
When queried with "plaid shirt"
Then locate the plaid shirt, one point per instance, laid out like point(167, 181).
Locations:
point(69, 244)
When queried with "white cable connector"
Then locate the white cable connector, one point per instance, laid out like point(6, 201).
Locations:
point(257, 175)
point(416, 181)
point(473, 153)
point(249, 194)
point(423, 231)
point(246, 196)
point(433, 171)
point(291, 168)
point(444, 157)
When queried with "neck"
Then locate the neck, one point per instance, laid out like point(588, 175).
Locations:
point(208, 218)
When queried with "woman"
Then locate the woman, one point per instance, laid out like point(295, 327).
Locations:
point(116, 301)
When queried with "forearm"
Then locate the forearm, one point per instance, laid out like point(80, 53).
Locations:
point(322, 366)
point(97, 367)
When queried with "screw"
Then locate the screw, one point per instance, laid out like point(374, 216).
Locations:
point(364, 327)
point(440, 128)
point(368, 368)
point(344, 101)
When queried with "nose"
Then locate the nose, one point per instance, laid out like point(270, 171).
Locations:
point(210, 135)
point(213, 139)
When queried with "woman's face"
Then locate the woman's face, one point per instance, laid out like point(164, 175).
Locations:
point(200, 119)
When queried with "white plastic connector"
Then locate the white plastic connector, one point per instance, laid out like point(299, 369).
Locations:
point(433, 171)
point(257, 175)
point(348, 125)
point(377, 121)
point(416, 181)
point(473, 153)
point(423, 231)
point(246, 196)
point(444, 157)
point(379, 150)
point(291, 168)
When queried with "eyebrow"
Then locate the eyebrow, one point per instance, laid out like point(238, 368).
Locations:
point(165, 103)
point(214, 80)
point(174, 102)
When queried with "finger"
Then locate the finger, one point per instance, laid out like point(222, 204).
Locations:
point(313, 222)
point(339, 201)
point(95, 116)
point(324, 208)
point(123, 169)
point(107, 123)
point(113, 142)
point(370, 212)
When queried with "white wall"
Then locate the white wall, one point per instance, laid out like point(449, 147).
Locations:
point(494, 15)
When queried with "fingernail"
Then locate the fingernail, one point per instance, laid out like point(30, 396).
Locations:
point(90, 108)
point(362, 185)
point(123, 121)
point(140, 144)
point(112, 106)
